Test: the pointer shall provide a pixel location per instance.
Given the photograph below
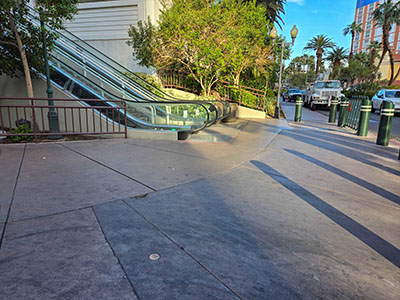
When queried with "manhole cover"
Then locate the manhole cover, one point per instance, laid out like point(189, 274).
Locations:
point(154, 256)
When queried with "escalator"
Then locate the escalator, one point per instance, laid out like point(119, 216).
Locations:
point(84, 72)
point(140, 114)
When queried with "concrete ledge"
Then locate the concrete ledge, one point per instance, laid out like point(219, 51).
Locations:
point(248, 113)
point(148, 134)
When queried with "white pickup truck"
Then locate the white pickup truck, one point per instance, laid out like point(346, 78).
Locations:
point(319, 93)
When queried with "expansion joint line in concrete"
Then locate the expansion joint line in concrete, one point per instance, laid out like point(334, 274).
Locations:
point(108, 167)
point(115, 255)
point(185, 251)
point(12, 199)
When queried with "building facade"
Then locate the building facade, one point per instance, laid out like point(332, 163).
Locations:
point(371, 32)
point(104, 25)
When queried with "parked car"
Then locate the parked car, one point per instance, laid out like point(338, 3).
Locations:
point(386, 95)
point(292, 94)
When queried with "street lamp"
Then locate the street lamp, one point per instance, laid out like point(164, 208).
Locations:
point(274, 34)
point(52, 114)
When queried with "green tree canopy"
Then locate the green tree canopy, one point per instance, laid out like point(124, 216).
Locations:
point(352, 29)
point(274, 9)
point(386, 15)
point(319, 44)
point(21, 42)
point(336, 56)
point(357, 69)
point(206, 38)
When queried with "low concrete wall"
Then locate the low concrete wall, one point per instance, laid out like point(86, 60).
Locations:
point(144, 134)
point(248, 113)
point(15, 87)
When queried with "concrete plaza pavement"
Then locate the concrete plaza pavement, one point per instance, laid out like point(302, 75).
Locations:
point(272, 210)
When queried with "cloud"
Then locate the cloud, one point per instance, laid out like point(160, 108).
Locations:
point(299, 2)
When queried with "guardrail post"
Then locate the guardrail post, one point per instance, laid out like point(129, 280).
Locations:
point(364, 117)
point(333, 110)
point(344, 104)
point(385, 123)
point(299, 109)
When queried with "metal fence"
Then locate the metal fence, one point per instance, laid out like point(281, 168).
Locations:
point(74, 117)
point(243, 95)
point(354, 111)
point(177, 81)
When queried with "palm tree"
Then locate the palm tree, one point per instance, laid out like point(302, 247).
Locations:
point(352, 29)
point(386, 15)
point(319, 44)
point(373, 49)
point(309, 62)
point(274, 10)
point(336, 56)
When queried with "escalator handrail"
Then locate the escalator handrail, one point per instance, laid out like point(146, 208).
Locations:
point(167, 97)
point(131, 100)
point(133, 119)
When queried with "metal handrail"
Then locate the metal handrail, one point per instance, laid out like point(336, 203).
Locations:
point(37, 112)
point(201, 103)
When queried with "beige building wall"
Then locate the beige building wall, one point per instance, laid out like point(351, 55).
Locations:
point(105, 24)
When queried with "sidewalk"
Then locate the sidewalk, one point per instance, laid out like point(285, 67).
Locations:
point(275, 210)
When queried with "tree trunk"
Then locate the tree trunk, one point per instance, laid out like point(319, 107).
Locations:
point(352, 44)
point(385, 40)
point(236, 79)
point(28, 79)
point(319, 57)
point(391, 66)
point(372, 59)
point(203, 87)
point(336, 68)
point(380, 62)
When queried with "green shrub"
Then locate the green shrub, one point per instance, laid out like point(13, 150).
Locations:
point(22, 129)
point(248, 99)
point(270, 102)
point(150, 82)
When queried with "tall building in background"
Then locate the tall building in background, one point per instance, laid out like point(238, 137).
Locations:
point(371, 32)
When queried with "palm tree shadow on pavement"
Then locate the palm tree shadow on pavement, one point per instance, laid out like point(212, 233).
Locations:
point(381, 246)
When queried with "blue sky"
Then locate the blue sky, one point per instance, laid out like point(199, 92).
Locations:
point(313, 17)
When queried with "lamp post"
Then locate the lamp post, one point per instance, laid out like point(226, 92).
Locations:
point(274, 34)
point(52, 114)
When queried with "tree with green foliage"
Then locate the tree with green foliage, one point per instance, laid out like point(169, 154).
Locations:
point(374, 48)
point(205, 38)
point(21, 47)
point(244, 33)
point(273, 10)
point(352, 29)
point(358, 69)
point(296, 65)
point(386, 15)
point(319, 44)
point(304, 64)
point(336, 56)
point(297, 80)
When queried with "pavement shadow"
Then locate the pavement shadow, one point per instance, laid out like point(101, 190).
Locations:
point(341, 150)
point(357, 180)
point(204, 224)
point(384, 248)
point(351, 141)
point(211, 135)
